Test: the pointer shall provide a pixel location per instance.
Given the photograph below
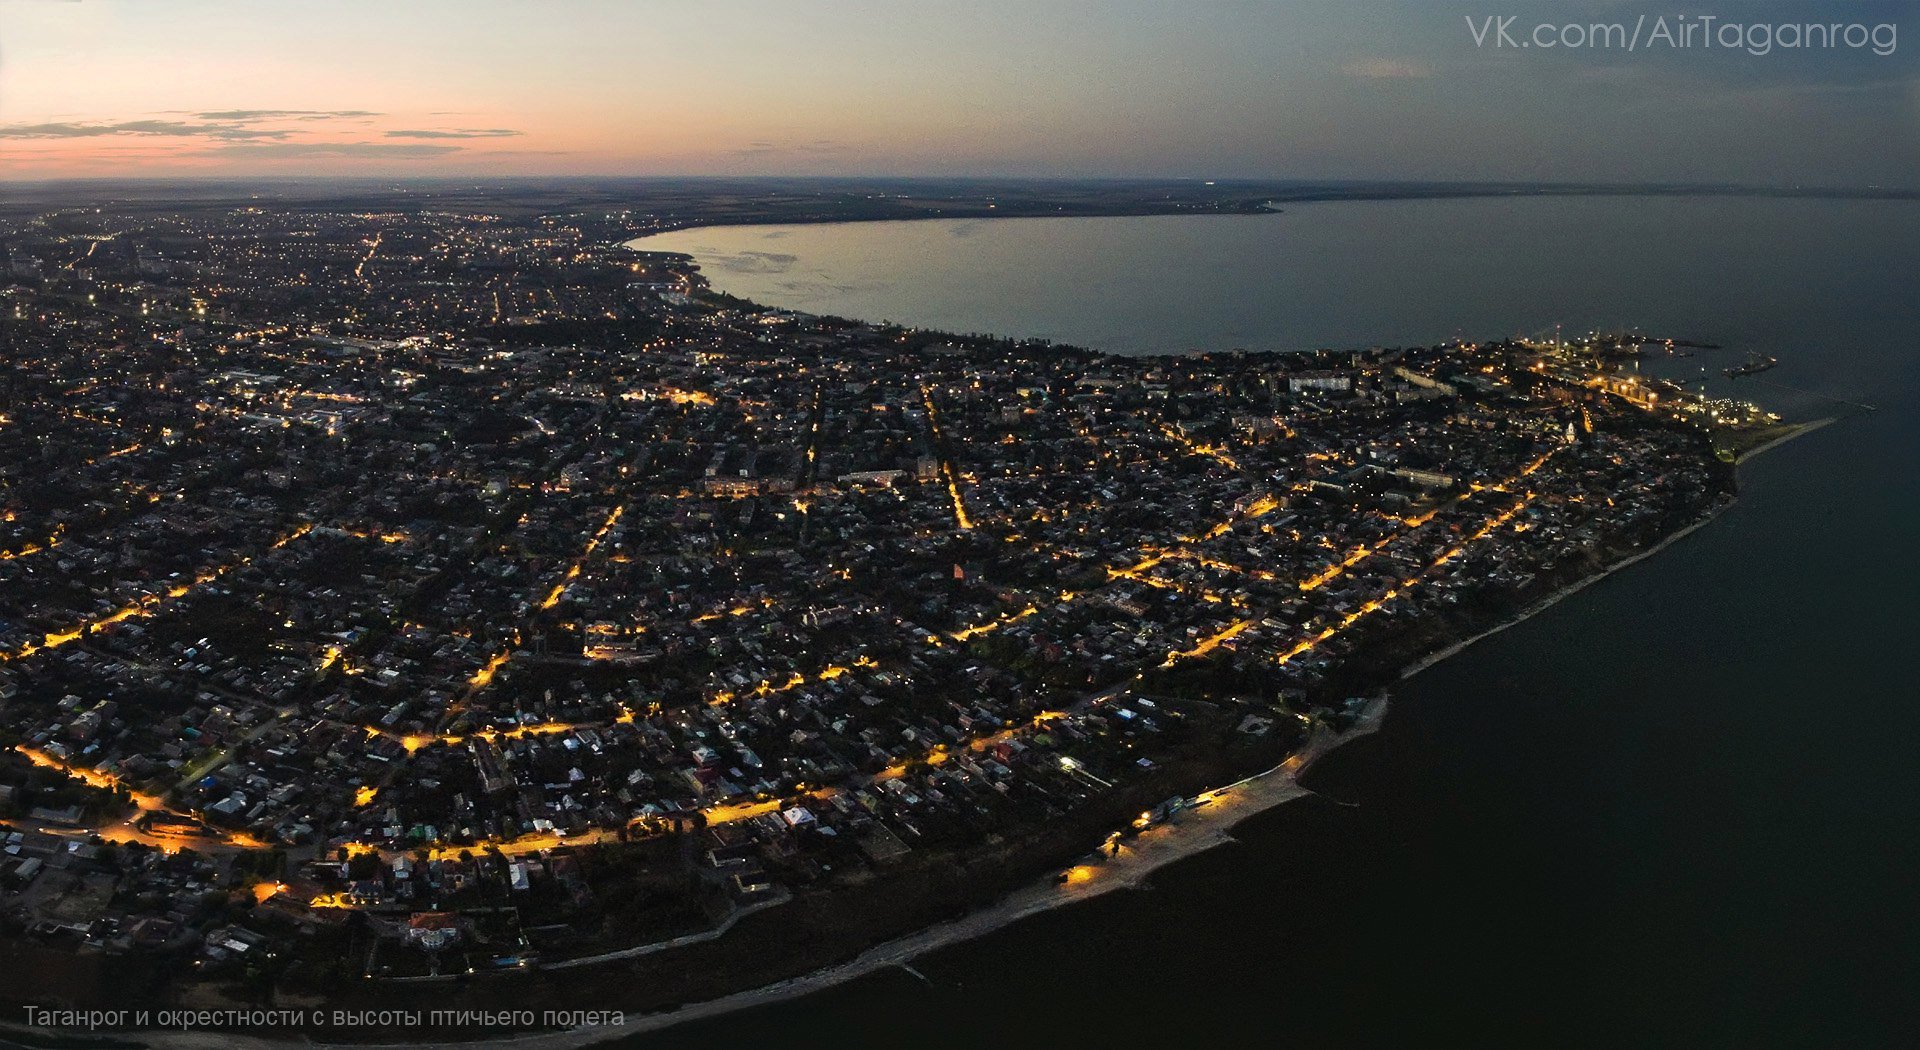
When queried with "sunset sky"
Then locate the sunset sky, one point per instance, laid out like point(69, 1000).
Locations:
point(1385, 89)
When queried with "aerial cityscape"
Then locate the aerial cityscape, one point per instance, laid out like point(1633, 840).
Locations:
point(409, 564)
point(501, 546)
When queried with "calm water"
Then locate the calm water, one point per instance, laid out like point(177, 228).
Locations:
point(1676, 809)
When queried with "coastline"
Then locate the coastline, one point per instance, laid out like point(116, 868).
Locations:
point(1630, 560)
point(637, 244)
point(1571, 589)
point(1189, 834)
point(1267, 199)
point(1801, 430)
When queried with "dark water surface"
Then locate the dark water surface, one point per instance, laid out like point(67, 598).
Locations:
point(1678, 808)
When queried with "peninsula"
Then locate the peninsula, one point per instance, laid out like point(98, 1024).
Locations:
point(440, 615)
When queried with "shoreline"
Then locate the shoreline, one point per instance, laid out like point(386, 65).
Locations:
point(1571, 589)
point(1800, 430)
point(1267, 207)
point(1556, 597)
point(1281, 196)
point(1189, 834)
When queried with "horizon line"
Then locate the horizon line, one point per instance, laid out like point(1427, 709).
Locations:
point(1197, 180)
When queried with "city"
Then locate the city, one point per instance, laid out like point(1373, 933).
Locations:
point(394, 596)
point(636, 525)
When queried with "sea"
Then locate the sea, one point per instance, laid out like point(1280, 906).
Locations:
point(1678, 808)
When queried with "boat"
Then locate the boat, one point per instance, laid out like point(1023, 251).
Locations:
point(1756, 363)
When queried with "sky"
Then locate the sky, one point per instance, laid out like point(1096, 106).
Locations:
point(1271, 89)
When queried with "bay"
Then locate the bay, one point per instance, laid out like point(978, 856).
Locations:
point(1675, 809)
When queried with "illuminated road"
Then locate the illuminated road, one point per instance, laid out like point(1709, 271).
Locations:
point(1359, 555)
point(748, 809)
point(1210, 642)
point(128, 830)
point(360, 271)
point(485, 675)
point(1195, 448)
point(724, 812)
point(960, 518)
point(1375, 605)
point(148, 606)
point(30, 549)
point(767, 687)
point(487, 672)
point(728, 812)
point(1136, 572)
